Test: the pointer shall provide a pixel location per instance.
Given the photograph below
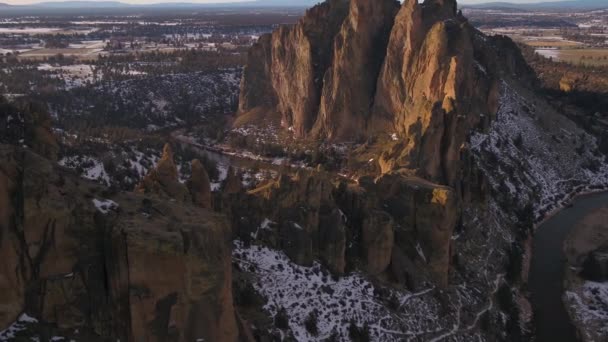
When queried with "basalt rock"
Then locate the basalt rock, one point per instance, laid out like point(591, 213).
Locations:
point(426, 214)
point(113, 266)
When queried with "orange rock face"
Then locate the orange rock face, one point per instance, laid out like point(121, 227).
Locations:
point(350, 82)
point(117, 266)
point(420, 72)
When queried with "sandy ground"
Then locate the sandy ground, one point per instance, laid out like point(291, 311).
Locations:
point(591, 233)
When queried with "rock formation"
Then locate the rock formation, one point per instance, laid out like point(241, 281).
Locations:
point(378, 235)
point(116, 266)
point(163, 180)
point(395, 225)
point(233, 184)
point(595, 267)
point(28, 124)
point(309, 224)
point(421, 72)
point(199, 185)
point(350, 81)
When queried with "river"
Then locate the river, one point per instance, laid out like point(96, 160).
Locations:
point(547, 269)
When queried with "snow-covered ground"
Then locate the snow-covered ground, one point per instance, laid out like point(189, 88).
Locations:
point(390, 314)
point(105, 205)
point(91, 168)
point(11, 333)
point(589, 304)
point(154, 102)
point(538, 156)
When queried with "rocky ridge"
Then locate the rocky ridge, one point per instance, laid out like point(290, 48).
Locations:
point(465, 156)
point(83, 262)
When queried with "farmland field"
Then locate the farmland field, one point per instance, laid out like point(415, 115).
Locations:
point(596, 57)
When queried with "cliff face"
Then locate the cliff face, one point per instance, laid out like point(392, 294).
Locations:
point(349, 84)
point(430, 93)
point(287, 67)
point(421, 72)
point(111, 265)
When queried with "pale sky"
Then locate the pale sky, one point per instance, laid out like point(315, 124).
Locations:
point(139, 2)
point(25, 2)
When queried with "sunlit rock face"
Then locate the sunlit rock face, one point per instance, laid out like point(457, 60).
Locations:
point(116, 265)
point(354, 70)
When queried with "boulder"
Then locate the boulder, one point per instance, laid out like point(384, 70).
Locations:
point(595, 266)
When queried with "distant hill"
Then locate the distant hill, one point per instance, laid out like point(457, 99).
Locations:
point(117, 4)
point(568, 4)
point(81, 4)
point(299, 3)
point(4, 5)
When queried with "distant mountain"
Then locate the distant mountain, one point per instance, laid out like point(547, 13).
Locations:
point(568, 4)
point(81, 4)
point(298, 3)
point(236, 3)
point(4, 5)
point(115, 4)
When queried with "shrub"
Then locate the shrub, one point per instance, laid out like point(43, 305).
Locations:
point(281, 320)
point(358, 334)
point(311, 323)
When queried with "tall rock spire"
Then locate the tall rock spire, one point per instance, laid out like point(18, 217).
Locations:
point(358, 53)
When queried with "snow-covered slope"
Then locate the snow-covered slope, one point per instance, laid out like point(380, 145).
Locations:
point(532, 154)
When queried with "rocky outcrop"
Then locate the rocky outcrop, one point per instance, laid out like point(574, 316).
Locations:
point(305, 211)
point(13, 269)
point(113, 266)
point(350, 82)
point(290, 65)
point(298, 215)
point(418, 217)
point(427, 87)
point(200, 185)
point(163, 180)
point(595, 267)
point(256, 86)
point(396, 225)
point(420, 73)
point(38, 133)
point(28, 124)
point(233, 184)
point(378, 235)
